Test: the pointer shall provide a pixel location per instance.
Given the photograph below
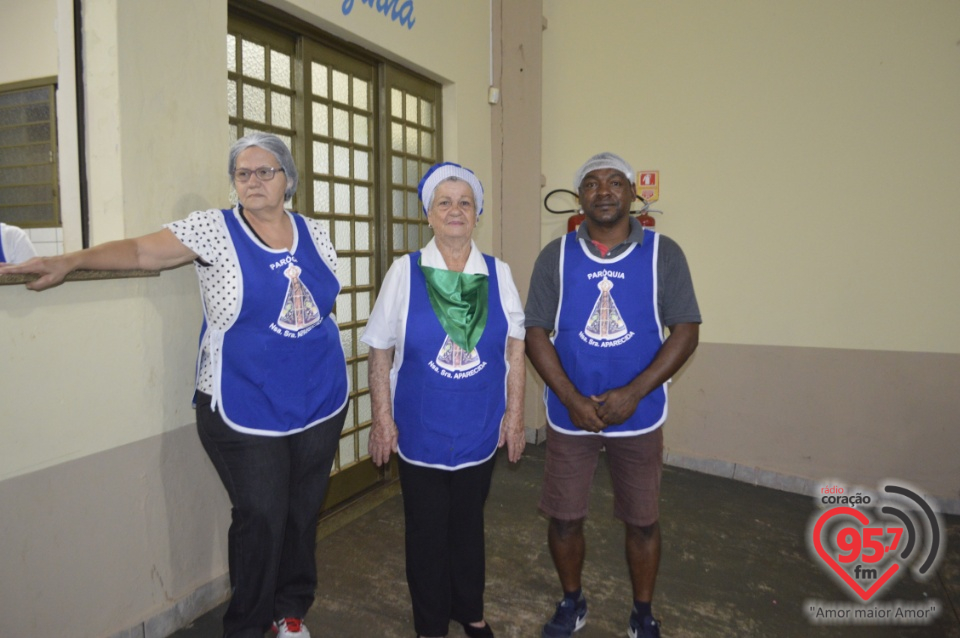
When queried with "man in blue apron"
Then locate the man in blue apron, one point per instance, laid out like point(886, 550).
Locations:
point(599, 300)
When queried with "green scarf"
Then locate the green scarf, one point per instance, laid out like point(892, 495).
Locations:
point(460, 302)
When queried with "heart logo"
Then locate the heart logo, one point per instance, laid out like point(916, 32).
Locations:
point(865, 594)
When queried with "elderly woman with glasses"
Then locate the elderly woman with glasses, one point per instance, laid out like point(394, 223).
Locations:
point(271, 387)
point(446, 383)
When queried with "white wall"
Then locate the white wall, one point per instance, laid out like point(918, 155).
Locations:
point(29, 43)
point(102, 463)
point(807, 154)
point(84, 343)
point(37, 41)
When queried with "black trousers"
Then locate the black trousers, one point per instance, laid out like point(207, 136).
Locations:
point(443, 512)
point(276, 486)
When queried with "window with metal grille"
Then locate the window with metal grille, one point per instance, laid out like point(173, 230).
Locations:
point(28, 154)
point(362, 131)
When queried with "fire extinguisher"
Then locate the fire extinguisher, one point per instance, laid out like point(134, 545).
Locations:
point(573, 222)
point(645, 219)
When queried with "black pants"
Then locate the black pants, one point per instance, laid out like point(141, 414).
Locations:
point(445, 558)
point(276, 486)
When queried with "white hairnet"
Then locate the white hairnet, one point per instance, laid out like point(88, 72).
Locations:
point(604, 160)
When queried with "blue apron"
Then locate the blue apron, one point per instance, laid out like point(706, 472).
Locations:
point(279, 367)
point(608, 330)
point(448, 404)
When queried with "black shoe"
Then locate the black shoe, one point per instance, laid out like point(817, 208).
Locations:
point(643, 627)
point(570, 617)
point(478, 632)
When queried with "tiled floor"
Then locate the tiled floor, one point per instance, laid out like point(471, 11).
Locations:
point(735, 563)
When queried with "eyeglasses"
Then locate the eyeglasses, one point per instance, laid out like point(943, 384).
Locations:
point(264, 173)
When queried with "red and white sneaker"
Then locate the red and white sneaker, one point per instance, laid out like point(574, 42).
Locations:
point(290, 628)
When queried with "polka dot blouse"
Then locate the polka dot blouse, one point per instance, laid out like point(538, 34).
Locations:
point(205, 233)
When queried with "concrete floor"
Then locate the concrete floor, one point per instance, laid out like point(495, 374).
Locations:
point(735, 563)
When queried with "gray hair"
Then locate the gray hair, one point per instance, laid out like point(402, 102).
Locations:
point(274, 145)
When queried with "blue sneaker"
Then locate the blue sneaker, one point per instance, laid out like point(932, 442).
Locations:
point(570, 617)
point(646, 627)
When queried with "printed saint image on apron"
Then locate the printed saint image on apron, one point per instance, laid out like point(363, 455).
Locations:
point(299, 309)
point(605, 322)
point(452, 357)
